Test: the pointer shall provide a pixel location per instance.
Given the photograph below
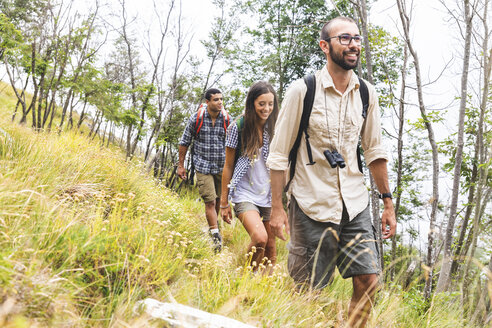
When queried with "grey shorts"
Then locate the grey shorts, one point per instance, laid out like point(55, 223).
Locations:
point(316, 247)
point(247, 206)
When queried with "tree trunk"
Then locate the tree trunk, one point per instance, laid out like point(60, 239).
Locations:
point(70, 115)
point(49, 110)
point(32, 105)
point(129, 141)
point(144, 107)
point(474, 233)
point(40, 102)
point(445, 275)
point(399, 172)
point(97, 129)
point(82, 115)
point(64, 109)
point(94, 123)
point(480, 314)
point(20, 97)
point(435, 159)
point(104, 133)
point(362, 10)
point(111, 124)
point(149, 142)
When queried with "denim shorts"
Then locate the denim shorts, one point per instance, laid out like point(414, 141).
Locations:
point(315, 248)
point(247, 206)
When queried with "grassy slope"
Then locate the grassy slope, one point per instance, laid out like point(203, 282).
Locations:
point(84, 235)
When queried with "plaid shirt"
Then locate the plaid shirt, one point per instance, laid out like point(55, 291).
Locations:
point(208, 150)
point(243, 163)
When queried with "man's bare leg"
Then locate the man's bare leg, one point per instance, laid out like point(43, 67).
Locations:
point(211, 215)
point(365, 287)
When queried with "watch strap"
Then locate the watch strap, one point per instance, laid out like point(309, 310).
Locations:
point(386, 195)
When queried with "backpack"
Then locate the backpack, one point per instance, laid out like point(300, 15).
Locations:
point(200, 119)
point(198, 126)
point(310, 81)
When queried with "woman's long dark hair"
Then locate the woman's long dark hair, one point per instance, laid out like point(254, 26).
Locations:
point(250, 138)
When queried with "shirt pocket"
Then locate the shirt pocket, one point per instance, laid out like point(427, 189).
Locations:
point(221, 133)
point(354, 125)
point(318, 129)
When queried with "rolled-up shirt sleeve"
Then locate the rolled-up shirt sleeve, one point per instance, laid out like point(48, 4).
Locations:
point(371, 137)
point(232, 136)
point(287, 126)
point(188, 132)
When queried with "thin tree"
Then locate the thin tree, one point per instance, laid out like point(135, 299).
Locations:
point(85, 55)
point(405, 20)
point(445, 275)
point(399, 170)
point(479, 157)
point(158, 64)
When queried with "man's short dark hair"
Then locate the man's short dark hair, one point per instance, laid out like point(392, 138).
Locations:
point(326, 29)
point(210, 92)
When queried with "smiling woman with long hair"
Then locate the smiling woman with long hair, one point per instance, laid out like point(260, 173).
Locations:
point(245, 178)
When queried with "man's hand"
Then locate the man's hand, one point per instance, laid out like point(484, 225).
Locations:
point(182, 172)
point(278, 219)
point(379, 172)
point(388, 220)
point(182, 154)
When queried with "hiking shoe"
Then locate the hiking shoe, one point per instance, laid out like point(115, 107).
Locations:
point(217, 241)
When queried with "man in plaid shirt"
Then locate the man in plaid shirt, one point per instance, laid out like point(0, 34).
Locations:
point(208, 156)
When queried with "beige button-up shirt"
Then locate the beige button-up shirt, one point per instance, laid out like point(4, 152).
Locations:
point(335, 123)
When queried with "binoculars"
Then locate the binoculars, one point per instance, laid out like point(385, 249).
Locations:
point(334, 158)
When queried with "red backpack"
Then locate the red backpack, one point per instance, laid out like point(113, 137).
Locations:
point(199, 118)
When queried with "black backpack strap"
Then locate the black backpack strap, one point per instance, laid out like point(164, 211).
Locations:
point(364, 96)
point(310, 81)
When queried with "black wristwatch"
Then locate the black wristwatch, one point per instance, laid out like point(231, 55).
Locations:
point(386, 195)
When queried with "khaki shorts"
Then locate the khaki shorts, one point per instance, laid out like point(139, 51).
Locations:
point(247, 206)
point(209, 186)
point(315, 248)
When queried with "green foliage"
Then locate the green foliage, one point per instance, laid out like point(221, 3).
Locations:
point(284, 45)
point(387, 57)
point(222, 31)
point(235, 101)
point(186, 91)
point(414, 299)
point(22, 11)
point(413, 174)
point(10, 37)
point(448, 147)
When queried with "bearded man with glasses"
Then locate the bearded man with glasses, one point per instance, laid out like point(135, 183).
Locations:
point(329, 219)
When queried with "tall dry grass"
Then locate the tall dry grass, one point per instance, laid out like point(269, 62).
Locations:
point(84, 235)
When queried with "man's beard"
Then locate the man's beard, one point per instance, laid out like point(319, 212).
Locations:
point(338, 59)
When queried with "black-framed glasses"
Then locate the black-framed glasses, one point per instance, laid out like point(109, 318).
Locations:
point(345, 39)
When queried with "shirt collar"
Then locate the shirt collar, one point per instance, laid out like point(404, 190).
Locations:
point(327, 81)
point(207, 114)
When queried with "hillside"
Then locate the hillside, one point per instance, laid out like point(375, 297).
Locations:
point(84, 235)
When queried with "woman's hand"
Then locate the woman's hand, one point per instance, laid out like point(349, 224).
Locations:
point(226, 212)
